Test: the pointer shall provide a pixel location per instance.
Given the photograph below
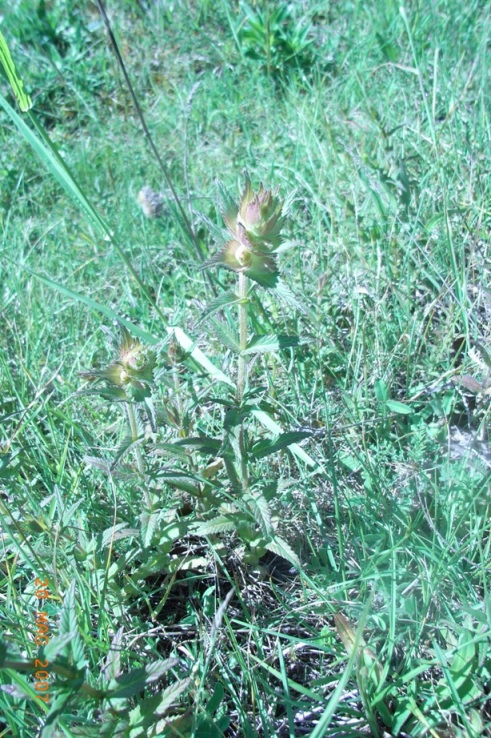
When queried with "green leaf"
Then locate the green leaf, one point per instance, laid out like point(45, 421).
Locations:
point(11, 658)
point(170, 694)
point(281, 548)
point(387, 49)
point(199, 357)
point(69, 625)
point(398, 407)
point(224, 300)
point(112, 665)
point(267, 421)
point(142, 719)
point(484, 354)
point(335, 696)
point(283, 292)
point(220, 524)
point(171, 532)
point(128, 444)
point(224, 334)
point(57, 708)
point(56, 646)
point(381, 390)
point(267, 447)
point(271, 342)
point(219, 234)
point(228, 206)
point(258, 505)
point(186, 563)
point(149, 522)
point(264, 271)
point(7, 468)
point(205, 444)
point(180, 480)
point(15, 81)
point(135, 681)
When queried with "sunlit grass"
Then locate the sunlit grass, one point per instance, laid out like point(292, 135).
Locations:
point(381, 141)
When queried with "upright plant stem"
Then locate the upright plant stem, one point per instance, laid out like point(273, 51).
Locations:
point(243, 305)
point(134, 436)
point(242, 373)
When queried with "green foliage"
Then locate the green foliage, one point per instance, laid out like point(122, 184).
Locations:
point(273, 37)
point(265, 455)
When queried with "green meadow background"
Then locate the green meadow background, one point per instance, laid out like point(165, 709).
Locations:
point(372, 120)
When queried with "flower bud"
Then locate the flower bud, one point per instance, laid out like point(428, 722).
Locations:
point(256, 234)
point(131, 375)
point(261, 217)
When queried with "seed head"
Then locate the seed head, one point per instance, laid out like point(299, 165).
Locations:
point(151, 202)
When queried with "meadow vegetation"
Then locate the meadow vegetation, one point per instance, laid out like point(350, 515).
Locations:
point(244, 459)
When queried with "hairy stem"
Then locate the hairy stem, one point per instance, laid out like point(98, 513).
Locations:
point(242, 374)
point(243, 305)
point(130, 411)
point(178, 395)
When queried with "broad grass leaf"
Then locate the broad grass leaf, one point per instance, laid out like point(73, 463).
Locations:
point(284, 440)
point(135, 330)
point(204, 444)
point(16, 82)
point(325, 719)
point(398, 407)
point(186, 563)
point(268, 422)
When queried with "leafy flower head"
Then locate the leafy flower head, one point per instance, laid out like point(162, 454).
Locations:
point(130, 377)
point(255, 227)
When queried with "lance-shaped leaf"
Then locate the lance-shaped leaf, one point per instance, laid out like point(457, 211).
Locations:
point(271, 342)
point(353, 642)
point(271, 446)
point(135, 681)
point(15, 81)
